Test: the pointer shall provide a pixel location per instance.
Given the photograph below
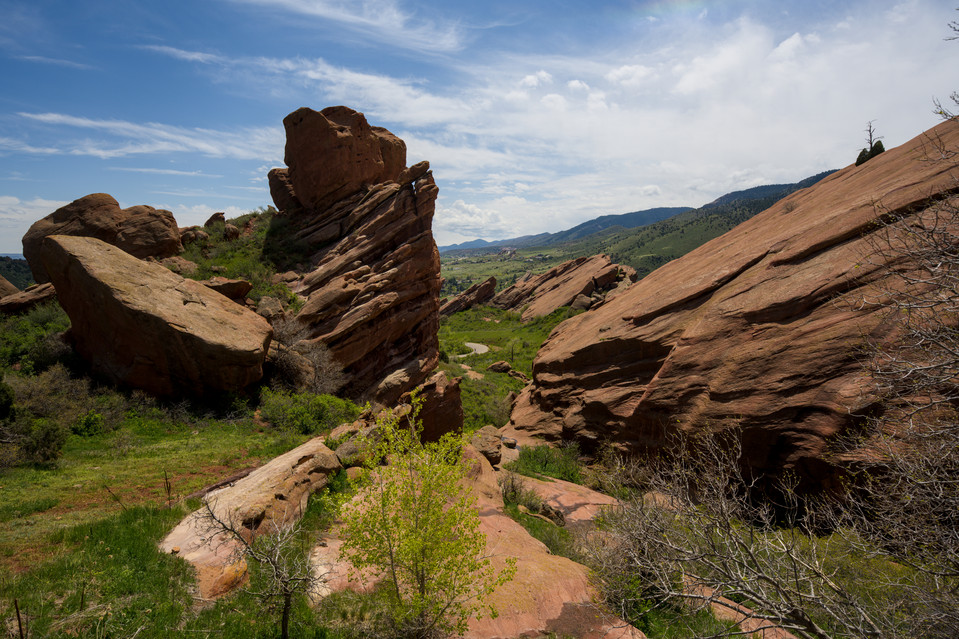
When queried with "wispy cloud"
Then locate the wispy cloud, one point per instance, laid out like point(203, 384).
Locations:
point(131, 138)
point(15, 212)
point(380, 20)
point(164, 172)
point(187, 56)
point(39, 59)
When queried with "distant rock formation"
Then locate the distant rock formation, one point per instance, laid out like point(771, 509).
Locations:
point(143, 326)
point(365, 222)
point(142, 231)
point(23, 301)
point(473, 296)
point(757, 329)
point(6, 288)
point(572, 281)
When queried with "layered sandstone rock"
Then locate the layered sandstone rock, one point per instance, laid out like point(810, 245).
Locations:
point(584, 277)
point(142, 231)
point(473, 296)
point(143, 326)
point(758, 328)
point(270, 498)
point(365, 221)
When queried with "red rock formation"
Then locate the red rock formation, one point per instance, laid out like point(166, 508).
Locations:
point(758, 328)
point(366, 222)
point(560, 286)
point(144, 326)
point(142, 231)
point(473, 296)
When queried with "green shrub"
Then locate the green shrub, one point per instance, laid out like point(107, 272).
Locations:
point(43, 440)
point(89, 424)
point(305, 413)
point(32, 339)
point(559, 463)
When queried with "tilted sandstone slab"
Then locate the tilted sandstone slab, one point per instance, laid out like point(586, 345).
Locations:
point(146, 327)
point(473, 296)
point(366, 223)
point(759, 328)
point(539, 295)
point(270, 498)
point(141, 231)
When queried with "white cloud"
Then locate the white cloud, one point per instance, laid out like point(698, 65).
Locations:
point(629, 75)
point(164, 172)
point(187, 56)
point(380, 20)
point(577, 85)
point(533, 80)
point(17, 215)
point(131, 138)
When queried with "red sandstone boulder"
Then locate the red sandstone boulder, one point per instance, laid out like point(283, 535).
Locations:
point(473, 296)
point(143, 326)
point(334, 153)
point(234, 289)
point(539, 295)
point(142, 231)
point(756, 329)
point(365, 222)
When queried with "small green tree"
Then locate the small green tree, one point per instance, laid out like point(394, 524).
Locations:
point(414, 523)
point(874, 145)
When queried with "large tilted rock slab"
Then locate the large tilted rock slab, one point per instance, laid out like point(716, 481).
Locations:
point(366, 223)
point(141, 231)
point(146, 327)
point(586, 277)
point(758, 328)
point(270, 498)
point(23, 301)
point(473, 296)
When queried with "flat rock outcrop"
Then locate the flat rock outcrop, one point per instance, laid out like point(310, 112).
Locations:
point(142, 231)
point(756, 329)
point(473, 296)
point(585, 277)
point(143, 326)
point(268, 499)
point(365, 222)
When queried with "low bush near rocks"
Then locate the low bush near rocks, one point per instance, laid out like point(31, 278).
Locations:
point(305, 413)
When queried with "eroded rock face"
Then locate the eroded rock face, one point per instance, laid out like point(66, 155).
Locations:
point(366, 222)
point(146, 327)
point(539, 295)
point(757, 328)
point(473, 296)
point(142, 231)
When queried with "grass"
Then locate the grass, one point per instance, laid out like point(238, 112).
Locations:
point(110, 580)
point(123, 468)
point(485, 400)
point(243, 258)
point(558, 463)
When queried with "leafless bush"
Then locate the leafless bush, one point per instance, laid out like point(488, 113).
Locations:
point(280, 556)
point(303, 363)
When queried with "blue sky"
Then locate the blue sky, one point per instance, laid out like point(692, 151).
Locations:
point(534, 115)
